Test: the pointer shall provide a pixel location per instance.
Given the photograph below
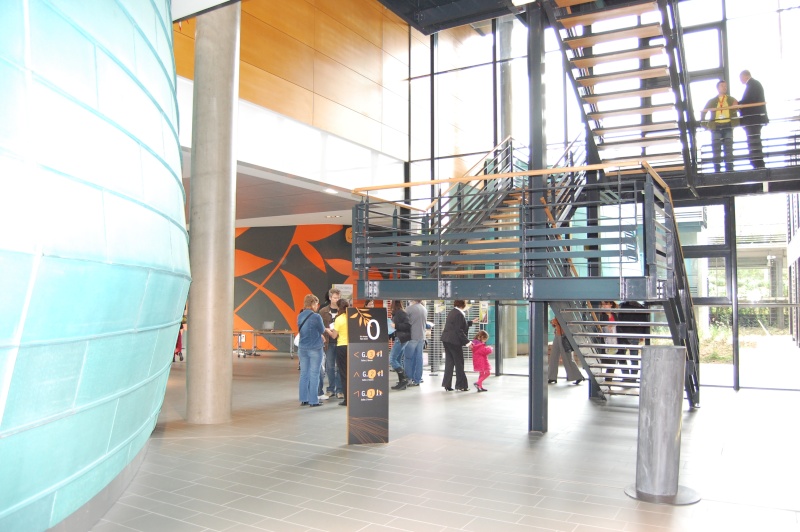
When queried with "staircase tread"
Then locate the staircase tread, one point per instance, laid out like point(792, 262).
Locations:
point(483, 261)
point(610, 346)
point(642, 32)
point(659, 169)
point(628, 111)
point(495, 241)
point(615, 95)
point(590, 60)
point(480, 272)
point(668, 125)
point(570, 3)
point(489, 250)
point(622, 335)
point(652, 157)
point(621, 323)
point(643, 73)
point(586, 19)
point(643, 142)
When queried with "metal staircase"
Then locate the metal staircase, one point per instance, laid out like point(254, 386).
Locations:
point(627, 67)
point(531, 235)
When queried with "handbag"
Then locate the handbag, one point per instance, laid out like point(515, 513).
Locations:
point(297, 336)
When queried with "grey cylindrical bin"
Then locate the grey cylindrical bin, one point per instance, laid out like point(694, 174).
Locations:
point(659, 441)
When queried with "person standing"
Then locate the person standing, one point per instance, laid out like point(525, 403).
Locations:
point(609, 328)
point(412, 353)
point(402, 334)
point(561, 349)
point(721, 122)
point(328, 314)
point(339, 332)
point(309, 350)
point(753, 118)
point(480, 358)
point(454, 338)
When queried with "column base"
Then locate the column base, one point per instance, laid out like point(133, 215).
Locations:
point(683, 497)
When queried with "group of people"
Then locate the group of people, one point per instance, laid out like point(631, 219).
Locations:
point(726, 113)
point(405, 358)
point(323, 341)
point(322, 349)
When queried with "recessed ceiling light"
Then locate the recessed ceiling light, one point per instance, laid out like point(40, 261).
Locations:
point(333, 216)
point(331, 191)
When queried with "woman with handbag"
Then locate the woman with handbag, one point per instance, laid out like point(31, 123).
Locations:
point(309, 350)
point(455, 336)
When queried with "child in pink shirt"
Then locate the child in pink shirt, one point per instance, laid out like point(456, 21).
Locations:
point(480, 358)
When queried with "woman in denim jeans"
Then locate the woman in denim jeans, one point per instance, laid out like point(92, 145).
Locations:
point(309, 351)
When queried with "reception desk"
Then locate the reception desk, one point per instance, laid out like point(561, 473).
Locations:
point(241, 340)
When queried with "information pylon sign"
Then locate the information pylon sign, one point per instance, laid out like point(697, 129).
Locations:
point(367, 376)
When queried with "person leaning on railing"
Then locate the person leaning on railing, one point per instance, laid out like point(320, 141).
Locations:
point(721, 121)
point(754, 117)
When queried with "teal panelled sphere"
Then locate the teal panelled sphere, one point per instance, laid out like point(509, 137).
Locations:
point(94, 248)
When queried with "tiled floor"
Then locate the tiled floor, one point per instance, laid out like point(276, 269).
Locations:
point(456, 461)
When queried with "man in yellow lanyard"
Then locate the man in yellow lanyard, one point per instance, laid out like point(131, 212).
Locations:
point(721, 122)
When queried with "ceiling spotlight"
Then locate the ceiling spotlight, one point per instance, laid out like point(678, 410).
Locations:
point(331, 191)
point(522, 2)
point(333, 216)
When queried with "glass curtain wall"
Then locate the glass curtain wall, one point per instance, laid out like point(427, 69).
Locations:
point(722, 38)
point(469, 91)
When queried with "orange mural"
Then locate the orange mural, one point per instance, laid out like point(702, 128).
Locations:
point(276, 267)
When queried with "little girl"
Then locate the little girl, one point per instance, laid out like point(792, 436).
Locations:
point(480, 358)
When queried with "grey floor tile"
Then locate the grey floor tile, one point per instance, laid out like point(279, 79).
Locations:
point(327, 522)
point(279, 467)
point(160, 523)
point(263, 507)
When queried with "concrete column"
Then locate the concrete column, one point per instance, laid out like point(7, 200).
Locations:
point(212, 192)
point(659, 442)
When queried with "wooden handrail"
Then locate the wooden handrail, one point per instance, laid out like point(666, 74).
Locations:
point(546, 171)
point(738, 106)
point(395, 203)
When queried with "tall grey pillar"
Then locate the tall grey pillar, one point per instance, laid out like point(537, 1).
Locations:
point(659, 443)
point(507, 320)
point(537, 419)
point(212, 216)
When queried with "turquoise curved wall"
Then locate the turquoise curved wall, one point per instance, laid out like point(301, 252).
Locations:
point(93, 246)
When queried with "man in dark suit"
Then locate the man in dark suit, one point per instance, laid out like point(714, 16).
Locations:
point(455, 336)
point(753, 118)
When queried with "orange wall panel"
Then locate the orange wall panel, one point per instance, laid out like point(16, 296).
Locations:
point(273, 51)
point(347, 47)
point(395, 40)
point(339, 65)
point(395, 75)
point(274, 93)
point(183, 48)
point(338, 83)
point(345, 122)
point(295, 18)
point(395, 111)
point(364, 18)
